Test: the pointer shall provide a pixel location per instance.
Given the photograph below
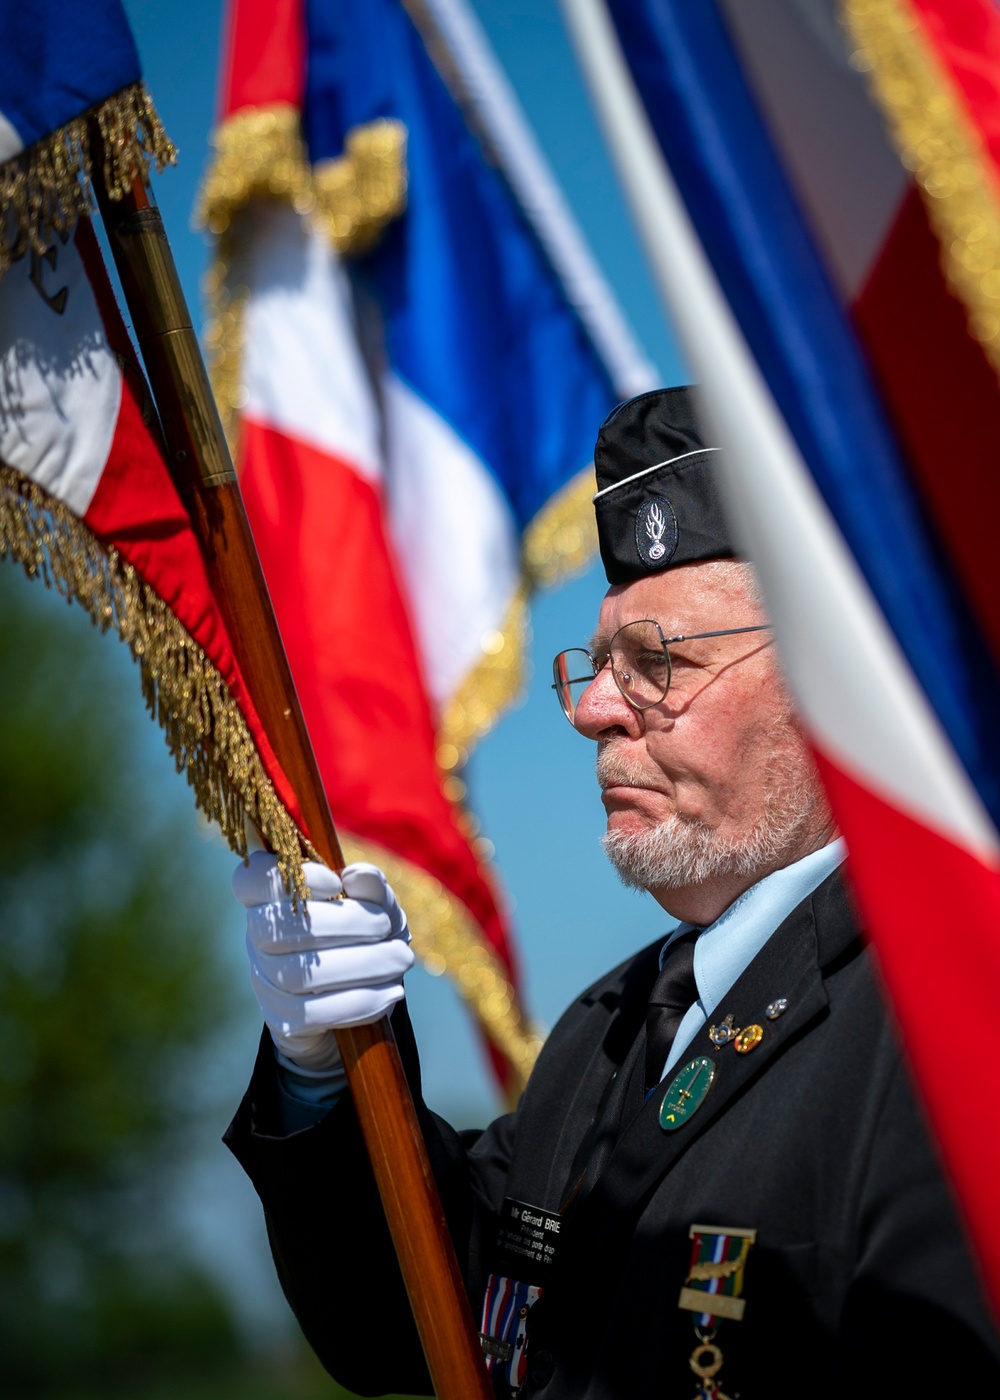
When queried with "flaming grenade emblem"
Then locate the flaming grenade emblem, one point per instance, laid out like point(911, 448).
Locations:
point(656, 525)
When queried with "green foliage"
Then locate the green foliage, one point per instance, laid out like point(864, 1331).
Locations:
point(111, 989)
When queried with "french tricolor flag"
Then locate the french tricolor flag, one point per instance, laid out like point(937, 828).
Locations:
point(87, 504)
point(413, 348)
point(841, 307)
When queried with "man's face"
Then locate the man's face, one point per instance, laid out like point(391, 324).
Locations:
point(715, 783)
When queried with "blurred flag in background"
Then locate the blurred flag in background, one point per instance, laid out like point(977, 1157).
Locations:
point(842, 307)
point(413, 350)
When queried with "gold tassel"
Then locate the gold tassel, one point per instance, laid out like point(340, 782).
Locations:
point(46, 188)
point(447, 941)
point(937, 141)
point(204, 727)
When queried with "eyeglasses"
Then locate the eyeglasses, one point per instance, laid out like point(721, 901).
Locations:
point(639, 655)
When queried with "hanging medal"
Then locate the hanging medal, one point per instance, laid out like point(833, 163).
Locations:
point(713, 1292)
point(503, 1330)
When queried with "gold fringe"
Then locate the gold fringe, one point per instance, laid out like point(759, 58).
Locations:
point(937, 141)
point(46, 188)
point(559, 542)
point(562, 538)
point(225, 312)
point(260, 154)
point(492, 685)
point(446, 940)
point(205, 730)
point(363, 190)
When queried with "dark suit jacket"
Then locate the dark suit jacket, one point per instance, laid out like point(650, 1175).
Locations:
point(860, 1282)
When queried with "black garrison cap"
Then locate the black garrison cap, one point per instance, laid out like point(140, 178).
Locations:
point(657, 499)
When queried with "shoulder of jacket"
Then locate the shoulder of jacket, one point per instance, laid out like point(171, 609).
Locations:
point(639, 966)
point(606, 998)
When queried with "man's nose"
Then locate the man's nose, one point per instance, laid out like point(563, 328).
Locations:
point(603, 711)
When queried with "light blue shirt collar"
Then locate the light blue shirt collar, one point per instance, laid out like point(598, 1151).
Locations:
point(726, 948)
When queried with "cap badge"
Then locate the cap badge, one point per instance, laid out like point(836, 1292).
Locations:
point(655, 531)
point(656, 526)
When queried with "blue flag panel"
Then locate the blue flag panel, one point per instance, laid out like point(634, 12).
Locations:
point(60, 57)
point(476, 322)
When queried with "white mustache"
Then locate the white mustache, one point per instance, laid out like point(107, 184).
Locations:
point(614, 771)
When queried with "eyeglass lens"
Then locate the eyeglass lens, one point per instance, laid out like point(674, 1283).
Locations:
point(572, 672)
point(639, 662)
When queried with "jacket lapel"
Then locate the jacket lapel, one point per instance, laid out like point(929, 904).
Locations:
point(599, 1142)
point(581, 1072)
point(788, 966)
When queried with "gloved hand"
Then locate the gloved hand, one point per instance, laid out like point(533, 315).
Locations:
point(332, 963)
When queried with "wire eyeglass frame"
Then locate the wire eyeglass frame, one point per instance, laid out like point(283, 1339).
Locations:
point(623, 679)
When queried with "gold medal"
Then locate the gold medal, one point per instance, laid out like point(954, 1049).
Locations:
point(712, 1291)
point(748, 1039)
point(706, 1362)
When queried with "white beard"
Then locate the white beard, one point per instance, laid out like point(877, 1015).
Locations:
point(680, 852)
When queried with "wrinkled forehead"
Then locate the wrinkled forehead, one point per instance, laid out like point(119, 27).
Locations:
point(691, 598)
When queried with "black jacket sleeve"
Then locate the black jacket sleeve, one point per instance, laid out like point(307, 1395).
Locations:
point(915, 1302)
point(328, 1233)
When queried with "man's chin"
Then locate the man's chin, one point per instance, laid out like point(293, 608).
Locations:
point(672, 854)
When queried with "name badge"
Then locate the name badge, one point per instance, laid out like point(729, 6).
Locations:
point(527, 1240)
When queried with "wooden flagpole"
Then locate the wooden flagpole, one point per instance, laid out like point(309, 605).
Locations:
point(199, 461)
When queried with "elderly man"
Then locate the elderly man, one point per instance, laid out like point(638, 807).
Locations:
point(718, 1180)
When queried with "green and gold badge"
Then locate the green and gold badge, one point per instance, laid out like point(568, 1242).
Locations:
point(686, 1093)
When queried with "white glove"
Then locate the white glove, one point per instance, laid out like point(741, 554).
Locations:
point(332, 963)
